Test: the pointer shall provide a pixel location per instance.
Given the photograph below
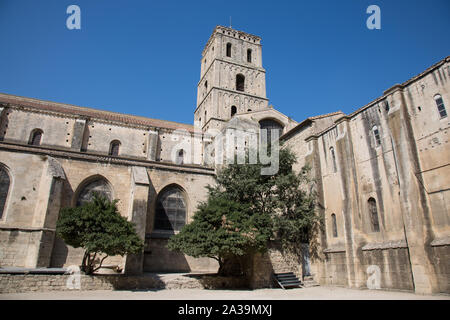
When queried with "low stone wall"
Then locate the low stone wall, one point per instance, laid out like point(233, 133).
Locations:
point(14, 283)
point(11, 283)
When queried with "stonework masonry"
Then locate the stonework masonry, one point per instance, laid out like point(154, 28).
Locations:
point(382, 176)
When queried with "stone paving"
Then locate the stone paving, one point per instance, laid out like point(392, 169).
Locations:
point(313, 293)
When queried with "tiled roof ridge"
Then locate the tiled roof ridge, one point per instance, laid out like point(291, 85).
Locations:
point(326, 115)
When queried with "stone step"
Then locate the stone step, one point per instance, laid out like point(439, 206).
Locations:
point(287, 280)
point(310, 283)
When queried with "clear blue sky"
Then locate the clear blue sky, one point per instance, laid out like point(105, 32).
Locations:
point(143, 57)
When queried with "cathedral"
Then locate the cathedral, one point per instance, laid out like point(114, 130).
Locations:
point(382, 174)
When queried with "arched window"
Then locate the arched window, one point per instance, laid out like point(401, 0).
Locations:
point(228, 49)
point(249, 55)
point(376, 136)
point(233, 110)
point(440, 106)
point(206, 85)
point(98, 185)
point(4, 188)
point(114, 148)
point(333, 159)
point(269, 125)
point(180, 157)
point(170, 209)
point(333, 221)
point(35, 138)
point(373, 212)
point(240, 82)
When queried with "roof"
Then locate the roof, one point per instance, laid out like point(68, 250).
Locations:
point(368, 105)
point(85, 112)
point(308, 120)
point(403, 85)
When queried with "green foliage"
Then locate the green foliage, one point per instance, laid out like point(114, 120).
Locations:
point(295, 220)
point(221, 228)
point(244, 209)
point(98, 227)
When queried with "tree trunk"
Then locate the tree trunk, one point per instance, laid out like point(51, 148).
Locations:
point(230, 266)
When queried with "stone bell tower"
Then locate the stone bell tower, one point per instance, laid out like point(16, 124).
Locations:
point(232, 79)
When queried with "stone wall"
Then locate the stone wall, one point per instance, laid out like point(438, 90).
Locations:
point(388, 159)
point(14, 283)
point(394, 266)
point(10, 283)
point(441, 255)
point(336, 266)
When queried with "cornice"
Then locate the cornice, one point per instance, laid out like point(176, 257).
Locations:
point(89, 156)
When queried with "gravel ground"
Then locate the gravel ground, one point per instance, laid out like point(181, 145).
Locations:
point(313, 293)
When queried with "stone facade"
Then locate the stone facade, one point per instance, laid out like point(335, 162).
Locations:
point(382, 174)
point(387, 161)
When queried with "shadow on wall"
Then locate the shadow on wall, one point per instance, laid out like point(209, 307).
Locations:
point(59, 254)
point(157, 258)
point(60, 251)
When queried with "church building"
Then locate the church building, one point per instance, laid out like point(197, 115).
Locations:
point(382, 173)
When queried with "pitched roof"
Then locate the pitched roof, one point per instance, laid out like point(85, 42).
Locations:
point(310, 119)
point(91, 113)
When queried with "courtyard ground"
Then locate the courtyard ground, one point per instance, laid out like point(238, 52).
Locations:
point(313, 293)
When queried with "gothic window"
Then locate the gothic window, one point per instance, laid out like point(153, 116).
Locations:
point(240, 82)
point(249, 55)
point(206, 85)
point(180, 157)
point(440, 106)
point(170, 209)
point(98, 185)
point(35, 138)
point(228, 49)
point(376, 136)
point(269, 125)
point(333, 220)
point(373, 214)
point(333, 159)
point(233, 110)
point(4, 188)
point(114, 148)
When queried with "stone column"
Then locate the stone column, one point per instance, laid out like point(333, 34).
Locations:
point(317, 245)
point(46, 214)
point(414, 205)
point(152, 151)
point(134, 263)
point(3, 120)
point(79, 128)
point(347, 173)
